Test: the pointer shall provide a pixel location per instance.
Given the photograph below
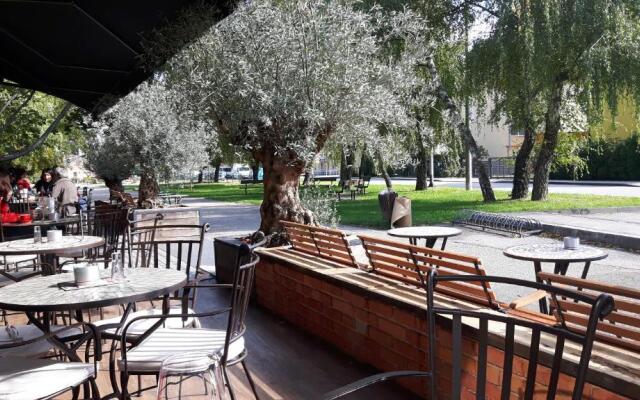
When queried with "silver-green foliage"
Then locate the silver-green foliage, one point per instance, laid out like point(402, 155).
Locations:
point(322, 203)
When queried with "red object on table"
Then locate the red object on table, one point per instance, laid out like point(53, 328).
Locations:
point(25, 218)
point(10, 217)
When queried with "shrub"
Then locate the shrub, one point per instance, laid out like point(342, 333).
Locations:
point(322, 203)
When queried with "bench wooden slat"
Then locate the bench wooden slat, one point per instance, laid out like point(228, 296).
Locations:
point(426, 250)
point(402, 261)
point(440, 262)
point(323, 242)
point(617, 317)
point(621, 327)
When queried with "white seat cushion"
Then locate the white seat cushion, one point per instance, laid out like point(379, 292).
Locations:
point(140, 327)
point(165, 342)
point(28, 332)
point(28, 379)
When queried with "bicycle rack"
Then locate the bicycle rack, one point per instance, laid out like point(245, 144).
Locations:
point(517, 226)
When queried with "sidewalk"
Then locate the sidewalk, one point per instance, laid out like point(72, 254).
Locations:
point(621, 229)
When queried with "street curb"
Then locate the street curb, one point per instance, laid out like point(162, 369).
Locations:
point(584, 183)
point(622, 241)
point(586, 211)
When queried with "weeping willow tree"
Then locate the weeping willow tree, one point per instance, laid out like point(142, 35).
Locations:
point(538, 51)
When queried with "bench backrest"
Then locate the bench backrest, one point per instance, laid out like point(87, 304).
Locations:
point(323, 242)
point(621, 327)
point(411, 264)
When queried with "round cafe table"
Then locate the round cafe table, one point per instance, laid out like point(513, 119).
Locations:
point(430, 234)
point(65, 243)
point(47, 250)
point(58, 293)
point(555, 253)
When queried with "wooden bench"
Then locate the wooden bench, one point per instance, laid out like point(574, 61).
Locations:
point(411, 264)
point(620, 328)
point(244, 183)
point(331, 244)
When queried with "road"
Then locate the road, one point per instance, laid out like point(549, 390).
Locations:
point(580, 187)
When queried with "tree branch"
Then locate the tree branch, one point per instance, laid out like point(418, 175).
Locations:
point(41, 139)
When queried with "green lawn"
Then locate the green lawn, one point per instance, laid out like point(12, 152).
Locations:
point(429, 207)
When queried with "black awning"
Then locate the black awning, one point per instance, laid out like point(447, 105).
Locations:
point(82, 51)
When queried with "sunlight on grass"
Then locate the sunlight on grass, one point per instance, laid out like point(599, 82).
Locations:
point(429, 207)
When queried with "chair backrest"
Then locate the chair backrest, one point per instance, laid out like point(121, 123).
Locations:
point(620, 328)
point(241, 294)
point(535, 333)
point(107, 223)
point(408, 264)
point(140, 242)
point(323, 242)
point(178, 247)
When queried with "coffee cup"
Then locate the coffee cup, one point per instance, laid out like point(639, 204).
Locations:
point(85, 274)
point(571, 243)
point(54, 235)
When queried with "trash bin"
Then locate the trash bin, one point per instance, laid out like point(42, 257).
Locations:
point(386, 199)
point(401, 215)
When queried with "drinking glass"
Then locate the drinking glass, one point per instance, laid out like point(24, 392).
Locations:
point(193, 376)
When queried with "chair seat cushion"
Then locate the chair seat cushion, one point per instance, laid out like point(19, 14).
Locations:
point(140, 327)
point(35, 349)
point(27, 379)
point(165, 342)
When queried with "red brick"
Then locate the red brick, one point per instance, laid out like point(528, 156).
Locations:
point(379, 337)
point(380, 308)
point(354, 299)
point(342, 306)
point(392, 328)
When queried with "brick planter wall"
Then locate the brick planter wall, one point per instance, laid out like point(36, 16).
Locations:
point(389, 334)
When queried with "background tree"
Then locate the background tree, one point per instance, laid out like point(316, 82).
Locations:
point(159, 134)
point(24, 116)
point(111, 160)
point(538, 51)
point(282, 78)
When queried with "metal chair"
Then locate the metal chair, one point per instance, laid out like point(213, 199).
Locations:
point(599, 307)
point(24, 377)
point(479, 320)
point(146, 352)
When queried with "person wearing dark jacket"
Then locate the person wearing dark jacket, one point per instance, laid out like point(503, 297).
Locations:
point(45, 184)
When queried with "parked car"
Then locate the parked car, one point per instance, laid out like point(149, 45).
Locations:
point(245, 172)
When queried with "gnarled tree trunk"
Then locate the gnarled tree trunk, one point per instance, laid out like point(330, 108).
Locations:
point(422, 166)
point(549, 144)
point(200, 175)
point(464, 131)
point(149, 187)
point(346, 164)
point(114, 184)
point(383, 171)
point(216, 172)
point(520, 188)
point(281, 200)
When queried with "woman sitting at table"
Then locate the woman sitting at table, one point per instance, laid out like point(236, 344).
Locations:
point(45, 184)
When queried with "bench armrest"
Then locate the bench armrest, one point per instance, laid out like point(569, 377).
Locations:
point(528, 299)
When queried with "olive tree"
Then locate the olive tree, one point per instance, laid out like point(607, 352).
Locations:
point(151, 128)
point(280, 79)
